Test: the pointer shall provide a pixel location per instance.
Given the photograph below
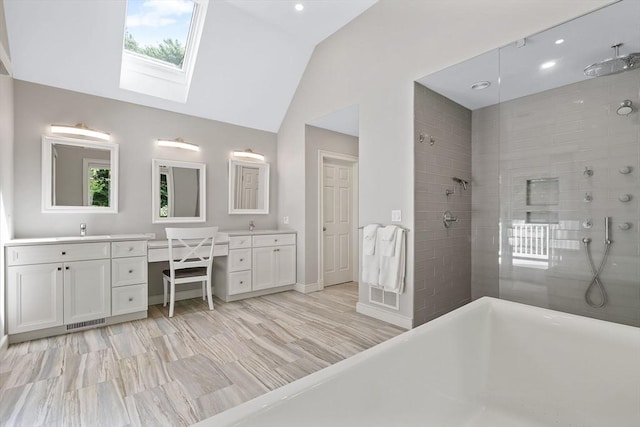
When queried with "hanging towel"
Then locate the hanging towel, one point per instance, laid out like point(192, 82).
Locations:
point(370, 233)
point(388, 240)
point(371, 263)
point(392, 268)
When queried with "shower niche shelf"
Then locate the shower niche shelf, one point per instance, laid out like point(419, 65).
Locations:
point(543, 192)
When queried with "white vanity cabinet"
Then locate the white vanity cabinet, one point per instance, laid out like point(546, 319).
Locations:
point(54, 287)
point(257, 264)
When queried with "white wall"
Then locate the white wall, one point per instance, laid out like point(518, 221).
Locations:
point(373, 62)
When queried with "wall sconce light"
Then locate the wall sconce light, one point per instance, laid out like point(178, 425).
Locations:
point(248, 153)
point(80, 130)
point(178, 143)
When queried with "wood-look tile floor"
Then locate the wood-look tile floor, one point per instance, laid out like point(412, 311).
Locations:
point(171, 372)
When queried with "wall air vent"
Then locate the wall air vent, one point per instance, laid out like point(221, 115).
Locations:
point(86, 324)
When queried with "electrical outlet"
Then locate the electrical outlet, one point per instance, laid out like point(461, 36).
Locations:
point(285, 220)
point(396, 216)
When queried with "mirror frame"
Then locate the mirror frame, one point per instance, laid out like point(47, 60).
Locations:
point(155, 188)
point(47, 181)
point(264, 174)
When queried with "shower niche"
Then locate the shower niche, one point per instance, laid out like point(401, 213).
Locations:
point(555, 137)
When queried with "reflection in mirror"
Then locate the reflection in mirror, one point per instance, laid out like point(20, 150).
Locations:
point(248, 187)
point(178, 191)
point(78, 175)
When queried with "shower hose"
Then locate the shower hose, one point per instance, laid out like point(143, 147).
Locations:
point(596, 281)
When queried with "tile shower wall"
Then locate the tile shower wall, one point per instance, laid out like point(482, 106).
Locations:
point(442, 256)
point(545, 143)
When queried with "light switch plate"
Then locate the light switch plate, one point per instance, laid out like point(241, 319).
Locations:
point(396, 216)
point(285, 220)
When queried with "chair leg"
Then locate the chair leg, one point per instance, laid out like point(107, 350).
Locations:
point(203, 290)
point(164, 283)
point(209, 297)
point(172, 299)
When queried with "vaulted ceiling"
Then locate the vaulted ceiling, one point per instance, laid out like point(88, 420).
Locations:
point(252, 53)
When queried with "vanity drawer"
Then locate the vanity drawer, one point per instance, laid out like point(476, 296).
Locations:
point(128, 249)
point(239, 259)
point(238, 242)
point(128, 271)
point(24, 255)
point(274, 240)
point(239, 282)
point(128, 299)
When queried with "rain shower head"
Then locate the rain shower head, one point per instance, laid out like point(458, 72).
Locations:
point(625, 108)
point(617, 64)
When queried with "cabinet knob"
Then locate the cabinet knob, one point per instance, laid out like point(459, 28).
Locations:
point(59, 268)
point(130, 271)
point(130, 249)
point(275, 240)
point(130, 299)
point(64, 253)
point(66, 268)
point(241, 282)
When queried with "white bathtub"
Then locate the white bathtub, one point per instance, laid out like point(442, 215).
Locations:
point(490, 363)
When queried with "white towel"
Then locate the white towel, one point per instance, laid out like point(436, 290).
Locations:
point(388, 240)
point(371, 265)
point(370, 233)
point(392, 268)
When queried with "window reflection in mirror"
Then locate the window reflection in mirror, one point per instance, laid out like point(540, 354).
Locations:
point(248, 187)
point(178, 191)
point(78, 175)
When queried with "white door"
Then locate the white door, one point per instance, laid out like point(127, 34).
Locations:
point(34, 297)
point(337, 218)
point(249, 196)
point(87, 290)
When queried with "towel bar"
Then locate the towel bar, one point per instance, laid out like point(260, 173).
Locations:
point(381, 225)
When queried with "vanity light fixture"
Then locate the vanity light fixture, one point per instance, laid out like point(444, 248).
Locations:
point(178, 143)
point(80, 130)
point(480, 85)
point(248, 153)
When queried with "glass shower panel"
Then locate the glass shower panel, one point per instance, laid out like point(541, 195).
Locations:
point(569, 158)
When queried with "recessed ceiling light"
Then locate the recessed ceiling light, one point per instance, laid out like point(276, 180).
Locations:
point(480, 85)
point(547, 65)
point(299, 7)
point(559, 41)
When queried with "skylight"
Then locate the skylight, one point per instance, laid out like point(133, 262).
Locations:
point(160, 44)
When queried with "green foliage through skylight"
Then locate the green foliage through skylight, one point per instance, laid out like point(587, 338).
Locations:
point(159, 29)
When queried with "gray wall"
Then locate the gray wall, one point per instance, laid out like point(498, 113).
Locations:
point(69, 172)
point(185, 192)
point(555, 134)
point(135, 128)
point(319, 139)
point(442, 255)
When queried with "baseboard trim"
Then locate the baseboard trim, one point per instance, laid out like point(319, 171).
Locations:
point(180, 295)
point(4, 345)
point(384, 315)
point(308, 288)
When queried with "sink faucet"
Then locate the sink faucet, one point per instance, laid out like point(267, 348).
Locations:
point(83, 229)
point(251, 226)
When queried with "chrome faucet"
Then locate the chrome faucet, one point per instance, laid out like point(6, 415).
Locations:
point(83, 229)
point(251, 226)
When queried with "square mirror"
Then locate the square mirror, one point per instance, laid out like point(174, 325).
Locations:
point(79, 176)
point(248, 187)
point(178, 191)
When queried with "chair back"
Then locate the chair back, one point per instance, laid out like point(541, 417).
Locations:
point(188, 247)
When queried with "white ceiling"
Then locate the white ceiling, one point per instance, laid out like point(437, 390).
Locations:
point(587, 40)
point(252, 52)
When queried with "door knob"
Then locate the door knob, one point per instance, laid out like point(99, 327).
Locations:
point(324, 228)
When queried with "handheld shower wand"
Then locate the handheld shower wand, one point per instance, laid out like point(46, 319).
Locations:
point(461, 181)
point(596, 281)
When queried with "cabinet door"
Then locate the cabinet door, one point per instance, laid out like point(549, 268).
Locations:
point(263, 268)
point(34, 297)
point(87, 290)
point(285, 265)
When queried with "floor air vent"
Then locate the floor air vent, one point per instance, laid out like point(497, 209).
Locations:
point(85, 324)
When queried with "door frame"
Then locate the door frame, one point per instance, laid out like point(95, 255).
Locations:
point(322, 157)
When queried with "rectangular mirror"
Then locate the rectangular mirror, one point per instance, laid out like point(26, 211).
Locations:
point(79, 176)
point(248, 187)
point(178, 191)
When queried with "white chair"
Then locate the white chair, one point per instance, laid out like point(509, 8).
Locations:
point(190, 260)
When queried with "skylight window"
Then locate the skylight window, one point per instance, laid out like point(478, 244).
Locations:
point(160, 45)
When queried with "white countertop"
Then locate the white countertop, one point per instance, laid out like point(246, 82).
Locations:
point(256, 232)
point(78, 239)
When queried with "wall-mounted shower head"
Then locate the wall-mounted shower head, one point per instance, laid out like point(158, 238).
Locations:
point(617, 64)
point(461, 181)
point(625, 108)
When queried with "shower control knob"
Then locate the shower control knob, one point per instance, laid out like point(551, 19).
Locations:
point(624, 226)
point(588, 197)
point(624, 198)
point(587, 223)
point(625, 170)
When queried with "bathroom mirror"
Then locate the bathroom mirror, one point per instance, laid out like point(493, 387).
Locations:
point(179, 192)
point(79, 176)
point(248, 187)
